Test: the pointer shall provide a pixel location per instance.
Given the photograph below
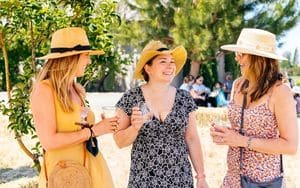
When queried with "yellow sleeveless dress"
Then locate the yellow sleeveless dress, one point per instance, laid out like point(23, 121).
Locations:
point(97, 167)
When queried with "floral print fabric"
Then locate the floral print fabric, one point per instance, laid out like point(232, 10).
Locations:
point(259, 122)
point(159, 156)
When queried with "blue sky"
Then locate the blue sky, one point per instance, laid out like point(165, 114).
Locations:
point(291, 40)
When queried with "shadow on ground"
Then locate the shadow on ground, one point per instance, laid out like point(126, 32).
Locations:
point(9, 174)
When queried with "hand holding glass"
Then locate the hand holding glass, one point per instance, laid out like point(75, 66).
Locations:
point(220, 123)
point(109, 111)
point(147, 115)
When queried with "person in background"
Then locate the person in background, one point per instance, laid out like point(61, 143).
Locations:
point(292, 82)
point(163, 144)
point(58, 107)
point(228, 85)
point(285, 78)
point(218, 95)
point(269, 120)
point(296, 92)
point(188, 81)
point(200, 92)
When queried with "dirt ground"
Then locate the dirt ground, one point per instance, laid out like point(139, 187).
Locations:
point(16, 171)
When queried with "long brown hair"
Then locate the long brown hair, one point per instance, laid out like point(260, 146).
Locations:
point(61, 72)
point(266, 73)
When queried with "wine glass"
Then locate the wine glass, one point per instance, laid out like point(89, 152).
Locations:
point(109, 111)
point(222, 123)
point(147, 115)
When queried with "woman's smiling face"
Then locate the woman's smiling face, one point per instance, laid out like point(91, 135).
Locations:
point(163, 68)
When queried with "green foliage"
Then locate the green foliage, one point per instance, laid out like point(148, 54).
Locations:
point(203, 26)
point(28, 25)
point(232, 66)
point(291, 65)
point(274, 16)
point(209, 71)
point(24, 28)
point(20, 118)
point(296, 79)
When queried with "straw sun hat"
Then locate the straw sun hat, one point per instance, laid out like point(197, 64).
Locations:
point(256, 42)
point(70, 41)
point(154, 48)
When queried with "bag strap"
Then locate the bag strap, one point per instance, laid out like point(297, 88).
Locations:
point(45, 166)
point(242, 133)
point(241, 129)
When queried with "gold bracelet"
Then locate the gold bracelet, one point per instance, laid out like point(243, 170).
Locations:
point(249, 143)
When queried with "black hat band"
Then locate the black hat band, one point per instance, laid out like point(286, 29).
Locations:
point(75, 48)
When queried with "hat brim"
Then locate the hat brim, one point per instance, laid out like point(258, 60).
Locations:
point(66, 54)
point(179, 55)
point(247, 50)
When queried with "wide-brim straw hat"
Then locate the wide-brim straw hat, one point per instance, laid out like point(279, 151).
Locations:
point(154, 48)
point(256, 42)
point(70, 41)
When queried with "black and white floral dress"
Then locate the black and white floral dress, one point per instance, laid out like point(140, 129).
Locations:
point(159, 156)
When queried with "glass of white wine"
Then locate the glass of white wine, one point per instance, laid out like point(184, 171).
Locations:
point(147, 115)
point(109, 111)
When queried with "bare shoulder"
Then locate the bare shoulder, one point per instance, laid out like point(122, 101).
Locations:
point(173, 89)
point(282, 96)
point(282, 90)
point(41, 89)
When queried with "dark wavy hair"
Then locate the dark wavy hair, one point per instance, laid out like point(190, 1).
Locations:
point(265, 71)
point(144, 73)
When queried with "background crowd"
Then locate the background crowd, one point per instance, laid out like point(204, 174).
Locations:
point(218, 96)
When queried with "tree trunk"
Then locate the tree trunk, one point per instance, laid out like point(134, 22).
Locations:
point(221, 67)
point(195, 67)
point(19, 139)
point(32, 47)
point(2, 44)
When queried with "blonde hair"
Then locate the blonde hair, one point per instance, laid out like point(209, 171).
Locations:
point(60, 72)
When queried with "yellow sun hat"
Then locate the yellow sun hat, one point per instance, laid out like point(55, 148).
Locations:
point(70, 41)
point(154, 48)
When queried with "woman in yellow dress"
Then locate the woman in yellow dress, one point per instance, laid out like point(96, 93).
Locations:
point(58, 108)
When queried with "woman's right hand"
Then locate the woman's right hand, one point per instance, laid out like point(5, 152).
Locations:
point(137, 120)
point(105, 126)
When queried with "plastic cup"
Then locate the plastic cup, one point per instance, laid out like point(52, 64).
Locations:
point(109, 111)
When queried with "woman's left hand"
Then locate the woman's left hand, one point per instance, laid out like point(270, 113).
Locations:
point(201, 183)
point(226, 136)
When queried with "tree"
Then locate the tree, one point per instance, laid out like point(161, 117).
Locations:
point(28, 28)
point(291, 65)
point(24, 28)
point(203, 26)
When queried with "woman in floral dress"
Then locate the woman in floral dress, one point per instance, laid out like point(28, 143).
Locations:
point(270, 122)
point(162, 144)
